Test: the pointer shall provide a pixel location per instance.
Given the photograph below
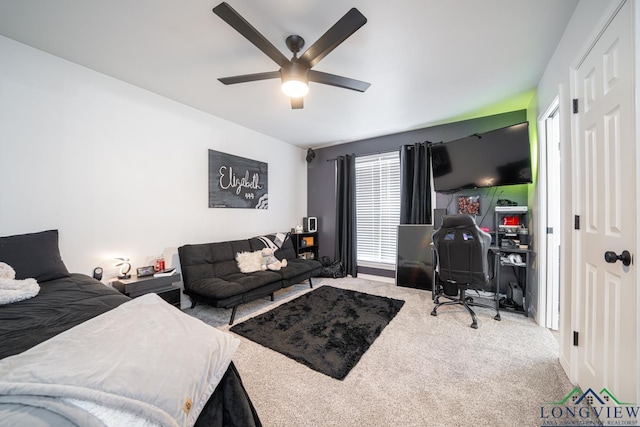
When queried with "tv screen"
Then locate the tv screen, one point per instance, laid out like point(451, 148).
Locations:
point(490, 159)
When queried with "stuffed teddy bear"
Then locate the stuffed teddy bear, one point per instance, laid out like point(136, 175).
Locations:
point(269, 261)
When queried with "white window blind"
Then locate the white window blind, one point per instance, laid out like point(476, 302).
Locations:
point(377, 207)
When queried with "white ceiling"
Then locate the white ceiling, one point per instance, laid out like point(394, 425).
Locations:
point(428, 61)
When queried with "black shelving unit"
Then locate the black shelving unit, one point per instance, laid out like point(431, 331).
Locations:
point(306, 244)
point(510, 242)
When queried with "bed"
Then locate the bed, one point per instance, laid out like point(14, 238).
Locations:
point(94, 349)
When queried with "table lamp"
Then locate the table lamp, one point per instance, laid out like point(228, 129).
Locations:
point(125, 267)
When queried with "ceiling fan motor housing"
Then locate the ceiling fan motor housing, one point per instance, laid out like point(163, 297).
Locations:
point(294, 71)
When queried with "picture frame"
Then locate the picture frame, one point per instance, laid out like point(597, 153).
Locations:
point(237, 182)
point(469, 205)
point(148, 270)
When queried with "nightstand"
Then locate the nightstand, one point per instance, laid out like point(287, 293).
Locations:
point(163, 286)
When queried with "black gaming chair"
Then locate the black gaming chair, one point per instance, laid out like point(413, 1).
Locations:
point(462, 263)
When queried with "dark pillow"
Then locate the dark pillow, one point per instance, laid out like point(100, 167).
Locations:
point(286, 250)
point(34, 255)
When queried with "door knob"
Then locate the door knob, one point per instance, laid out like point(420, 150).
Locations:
point(611, 257)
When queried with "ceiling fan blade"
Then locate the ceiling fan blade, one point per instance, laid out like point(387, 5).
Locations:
point(335, 35)
point(297, 103)
point(339, 81)
point(250, 77)
point(233, 18)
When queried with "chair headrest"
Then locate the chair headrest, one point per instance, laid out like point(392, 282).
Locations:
point(459, 220)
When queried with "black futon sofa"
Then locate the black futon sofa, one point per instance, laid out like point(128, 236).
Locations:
point(211, 274)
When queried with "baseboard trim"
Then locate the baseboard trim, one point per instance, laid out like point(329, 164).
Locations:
point(377, 278)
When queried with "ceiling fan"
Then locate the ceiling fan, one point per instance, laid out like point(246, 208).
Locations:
point(295, 73)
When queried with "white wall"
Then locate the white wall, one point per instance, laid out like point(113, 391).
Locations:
point(584, 18)
point(556, 82)
point(122, 171)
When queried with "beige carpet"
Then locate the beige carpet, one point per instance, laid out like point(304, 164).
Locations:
point(421, 371)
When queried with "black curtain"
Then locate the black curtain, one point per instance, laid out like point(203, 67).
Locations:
point(415, 184)
point(345, 250)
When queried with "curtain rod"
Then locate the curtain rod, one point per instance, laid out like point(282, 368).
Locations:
point(377, 152)
point(365, 154)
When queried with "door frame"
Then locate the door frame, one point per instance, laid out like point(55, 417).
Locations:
point(544, 313)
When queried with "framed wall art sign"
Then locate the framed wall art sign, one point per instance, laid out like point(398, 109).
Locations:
point(237, 182)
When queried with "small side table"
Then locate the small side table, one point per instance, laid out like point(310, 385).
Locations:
point(163, 286)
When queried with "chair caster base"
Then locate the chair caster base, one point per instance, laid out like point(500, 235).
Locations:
point(474, 325)
point(497, 317)
point(434, 312)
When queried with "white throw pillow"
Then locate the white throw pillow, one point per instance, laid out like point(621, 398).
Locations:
point(248, 262)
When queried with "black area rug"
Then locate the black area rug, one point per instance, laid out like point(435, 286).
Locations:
point(328, 329)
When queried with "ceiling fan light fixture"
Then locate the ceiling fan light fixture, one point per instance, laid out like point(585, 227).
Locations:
point(295, 88)
point(295, 83)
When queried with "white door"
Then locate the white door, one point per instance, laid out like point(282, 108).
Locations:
point(605, 201)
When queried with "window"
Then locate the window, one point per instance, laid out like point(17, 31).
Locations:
point(377, 208)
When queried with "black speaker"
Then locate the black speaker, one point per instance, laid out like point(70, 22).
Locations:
point(310, 155)
point(97, 273)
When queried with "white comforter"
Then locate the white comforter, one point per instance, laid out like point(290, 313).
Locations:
point(144, 359)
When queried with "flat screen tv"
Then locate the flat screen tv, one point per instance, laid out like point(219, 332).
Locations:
point(491, 159)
